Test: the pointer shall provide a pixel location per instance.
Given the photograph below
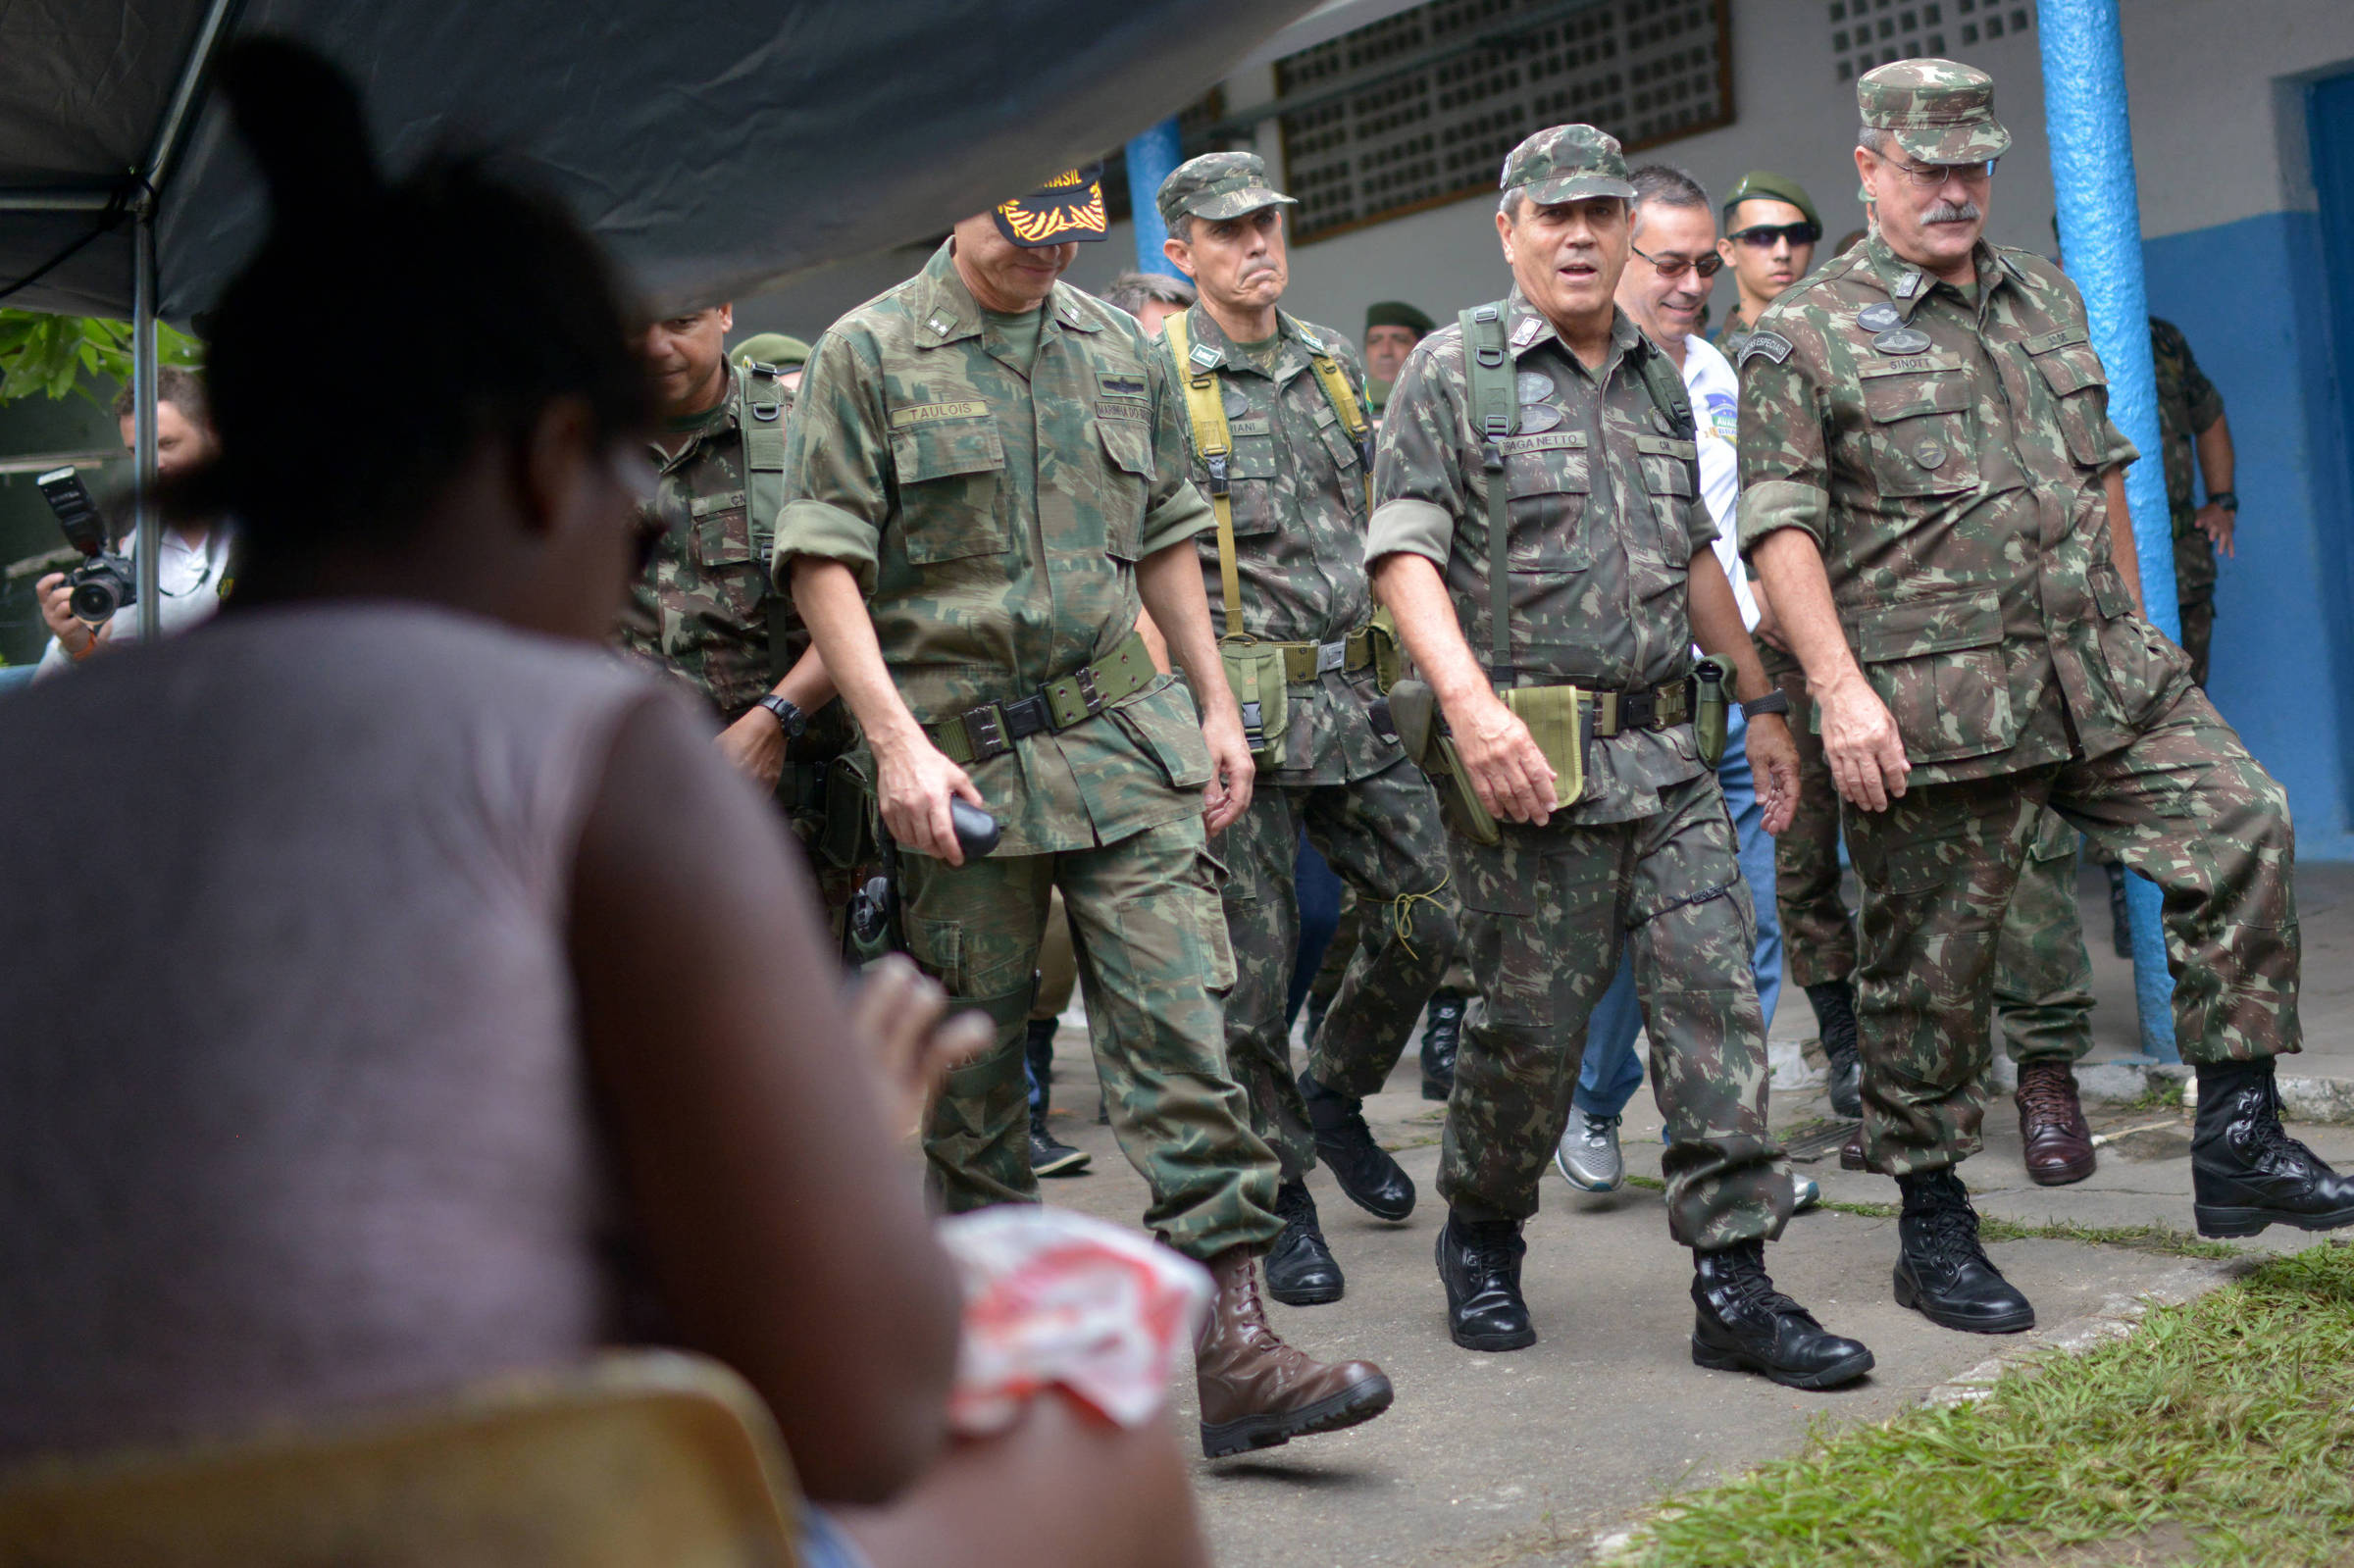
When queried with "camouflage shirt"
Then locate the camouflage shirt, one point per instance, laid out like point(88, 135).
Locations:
point(1604, 514)
point(703, 609)
point(1297, 484)
point(1946, 451)
point(2188, 405)
point(1728, 338)
point(993, 518)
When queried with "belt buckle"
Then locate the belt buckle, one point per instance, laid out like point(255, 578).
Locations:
point(1638, 710)
point(1027, 717)
point(1331, 656)
point(982, 729)
point(1086, 682)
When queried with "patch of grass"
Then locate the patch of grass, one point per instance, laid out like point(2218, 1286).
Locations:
point(2158, 1239)
point(2157, 1094)
point(2230, 1418)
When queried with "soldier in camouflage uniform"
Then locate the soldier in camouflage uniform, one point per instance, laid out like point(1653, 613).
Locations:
point(1280, 440)
point(1771, 229)
point(1570, 455)
point(991, 464)
point(2191, 424)
point(1928, 479)
point(704, 609)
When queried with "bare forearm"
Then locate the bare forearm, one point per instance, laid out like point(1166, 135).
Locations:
point(1169, 580)
point(2217, 460)
point(1791, 568)
point(806, 685)
point(842, 636)
point(2123, 548)
point(1717, 628)
point(1414, 594)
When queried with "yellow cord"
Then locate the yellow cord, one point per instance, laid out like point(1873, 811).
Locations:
point(1402, 914)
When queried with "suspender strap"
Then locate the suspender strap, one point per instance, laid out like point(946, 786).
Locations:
point(1205, 408)
point(1342, 398)
point(760, 420)
point(1489, 368)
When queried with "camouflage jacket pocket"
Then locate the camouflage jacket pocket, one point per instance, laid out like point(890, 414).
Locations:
point(1937, 663)
point(723, 529)
point(1548, 479)
point(2146, 669)
point(1160, 720)
point(1668, 479)
point(1128, 454)
point(1921, 440)
point(2072, 371)
point(949, 475)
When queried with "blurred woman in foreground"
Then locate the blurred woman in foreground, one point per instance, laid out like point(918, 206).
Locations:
point(464, 1014)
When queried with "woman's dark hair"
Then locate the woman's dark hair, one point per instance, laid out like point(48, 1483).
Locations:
point(484, 300)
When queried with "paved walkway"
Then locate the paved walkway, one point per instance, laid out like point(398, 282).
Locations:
point(1525, 1459)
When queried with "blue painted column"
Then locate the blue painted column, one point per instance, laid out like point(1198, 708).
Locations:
point(1151, 157)
point(2100, 236)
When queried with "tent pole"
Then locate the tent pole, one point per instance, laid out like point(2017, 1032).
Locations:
point(143, 390)
point(2100, 231)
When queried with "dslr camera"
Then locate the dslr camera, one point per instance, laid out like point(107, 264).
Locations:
point(104, 582)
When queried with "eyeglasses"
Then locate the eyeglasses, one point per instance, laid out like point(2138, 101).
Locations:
point(1939, 174)
point(1705, 264)
point(1762, 235)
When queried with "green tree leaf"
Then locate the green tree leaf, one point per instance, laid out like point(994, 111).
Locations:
point(62, 355)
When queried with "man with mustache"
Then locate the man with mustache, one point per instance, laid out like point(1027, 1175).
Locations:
point(1933, 495)
point(1280, 443)
point(1538, 499)
point(984, 487)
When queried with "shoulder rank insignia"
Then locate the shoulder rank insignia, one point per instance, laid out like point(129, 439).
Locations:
point(1309, 341)
point(1205, 356)
point(942, 325)
point(1526, 332)
point(1907, 285)
point(1773, 345)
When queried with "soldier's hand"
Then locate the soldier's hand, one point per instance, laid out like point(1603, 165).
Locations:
point(901, 1018)
point(1508, 773)
point(1774, 769)
point(1860, 741)
point(755, 746)
point(914, 784)
point(1232, 773)
point(2216, 523)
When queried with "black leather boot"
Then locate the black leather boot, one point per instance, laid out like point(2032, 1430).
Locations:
point(1941, 1271)
point(2246, 1171)
point(1373, 1180)
point(1442, 1037)
point(1745, 1325)
point(1479, 1262)
point(1835, 1025)
point(1301, 1269)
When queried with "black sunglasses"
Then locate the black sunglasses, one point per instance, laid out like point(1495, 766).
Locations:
point(1762, 235)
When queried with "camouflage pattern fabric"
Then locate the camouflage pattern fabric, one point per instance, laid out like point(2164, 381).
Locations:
point(1954, 486)
point(1604, 514)
point(2188, 405)
point(1382, 836)
point(1565, 163)
point(1728, 338)
point(1341, 954)
point(1817, 930)
point(1216, 185)
point(2042, 974)
point(2185, 805)
point(1298, 489)
point(995, 518)
point(1151, 948)
point(1545, 914)
point(1948, 466)
point(1940, 110)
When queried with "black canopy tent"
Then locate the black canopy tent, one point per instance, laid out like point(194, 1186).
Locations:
point(712, 147)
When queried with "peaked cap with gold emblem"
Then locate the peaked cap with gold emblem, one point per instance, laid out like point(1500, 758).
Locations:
point(1069, 206)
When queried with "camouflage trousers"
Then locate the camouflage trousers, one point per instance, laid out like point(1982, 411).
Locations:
point(1342, 951)
point(1382, 836)
point(1817, 931)
point(1545, 916)
point(2198, 634)
point(2042, 975)
point(2183, 804)
point(1152, 958)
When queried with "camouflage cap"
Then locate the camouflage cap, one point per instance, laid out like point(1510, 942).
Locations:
point(1215, 185)
point(1940, 110)
point(1565, 163)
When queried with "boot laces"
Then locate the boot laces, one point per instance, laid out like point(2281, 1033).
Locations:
point(2045, 1093)
point(2272, 1144)
point(1749, 1290)
point(1298, 1210)
point(1489, 1252)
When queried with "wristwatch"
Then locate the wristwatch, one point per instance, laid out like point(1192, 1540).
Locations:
point(1774, 702)
point(789, 715)
point(2228, 500)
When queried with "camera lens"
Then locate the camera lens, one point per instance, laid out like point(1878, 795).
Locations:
point(94, 599)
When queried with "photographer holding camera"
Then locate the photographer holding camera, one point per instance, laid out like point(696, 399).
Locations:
point(195, 554)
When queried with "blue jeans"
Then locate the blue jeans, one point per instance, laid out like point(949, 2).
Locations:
point(1612, 1071)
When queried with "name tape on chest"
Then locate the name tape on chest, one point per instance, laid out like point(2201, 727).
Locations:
point(1556, 441)
point(1771, 345)
point(1906, 365)
point(926, 413)
point(2065, 337)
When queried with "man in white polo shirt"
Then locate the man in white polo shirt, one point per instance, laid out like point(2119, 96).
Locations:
point(1664, 288)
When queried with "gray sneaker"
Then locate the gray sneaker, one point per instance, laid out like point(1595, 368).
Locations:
point(1589, 1154)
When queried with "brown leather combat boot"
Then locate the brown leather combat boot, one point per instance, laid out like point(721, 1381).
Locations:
point(2051, 1120)
point(1257, 1392)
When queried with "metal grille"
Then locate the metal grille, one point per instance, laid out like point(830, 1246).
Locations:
point(1420, 108)
point(1865, 34)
